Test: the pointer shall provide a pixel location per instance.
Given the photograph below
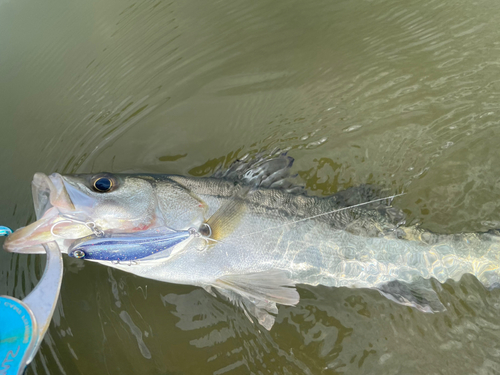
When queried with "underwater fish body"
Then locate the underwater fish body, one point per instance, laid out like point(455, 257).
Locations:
point(265, 235)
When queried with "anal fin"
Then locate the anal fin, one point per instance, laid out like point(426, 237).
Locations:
point(258, 293)
point(418, 294)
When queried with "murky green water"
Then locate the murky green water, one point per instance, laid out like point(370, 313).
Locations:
point(400, 93)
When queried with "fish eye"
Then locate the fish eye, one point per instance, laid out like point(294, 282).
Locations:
point(78, 254)
point(103, 184)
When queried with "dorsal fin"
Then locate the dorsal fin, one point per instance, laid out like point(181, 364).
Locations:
point(262, 171)
point(273, 171)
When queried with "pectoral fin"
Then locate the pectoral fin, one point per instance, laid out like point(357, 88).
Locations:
point(227, 218)
point(258, 293)
point(418, 294)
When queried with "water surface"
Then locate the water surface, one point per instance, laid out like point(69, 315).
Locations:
point(402, 93)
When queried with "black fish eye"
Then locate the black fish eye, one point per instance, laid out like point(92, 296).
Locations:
point(103, 184)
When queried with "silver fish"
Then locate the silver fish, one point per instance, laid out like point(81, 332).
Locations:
point(266, 235)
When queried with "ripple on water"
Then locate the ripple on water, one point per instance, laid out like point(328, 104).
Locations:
point(399, 94)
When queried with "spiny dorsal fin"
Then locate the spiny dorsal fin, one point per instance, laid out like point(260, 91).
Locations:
point(263, 170)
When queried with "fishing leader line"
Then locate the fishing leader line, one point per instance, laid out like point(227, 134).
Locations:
point(323, 214)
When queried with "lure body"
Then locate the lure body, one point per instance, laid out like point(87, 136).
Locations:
point(129, 246)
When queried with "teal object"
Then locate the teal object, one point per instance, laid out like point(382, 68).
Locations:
point(16, 337)
point(23, 323)
point(5, 231)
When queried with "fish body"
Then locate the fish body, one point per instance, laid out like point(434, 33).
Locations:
point(264, 236)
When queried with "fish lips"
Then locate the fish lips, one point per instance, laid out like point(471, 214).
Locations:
point(51, 200)
point(50, 191)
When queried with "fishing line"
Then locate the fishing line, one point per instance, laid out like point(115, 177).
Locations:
point(323, 214)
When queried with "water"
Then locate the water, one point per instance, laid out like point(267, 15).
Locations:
point(401, 93)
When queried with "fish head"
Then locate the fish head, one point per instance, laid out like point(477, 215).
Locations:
point(71, 207)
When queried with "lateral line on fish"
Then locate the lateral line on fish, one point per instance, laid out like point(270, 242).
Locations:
point(323, 214)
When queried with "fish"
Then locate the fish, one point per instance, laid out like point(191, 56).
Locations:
point(250, 234)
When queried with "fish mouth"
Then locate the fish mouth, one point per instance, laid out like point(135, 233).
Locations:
point(52, 204)
point(49, 192)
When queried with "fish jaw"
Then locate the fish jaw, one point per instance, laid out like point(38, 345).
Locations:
point(49, 192)
point(52, 202)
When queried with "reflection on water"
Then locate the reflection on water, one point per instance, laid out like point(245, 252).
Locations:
point(338, 330)
point(402, 94)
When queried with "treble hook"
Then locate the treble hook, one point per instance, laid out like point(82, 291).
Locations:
point(95, 229)
point(92, 226)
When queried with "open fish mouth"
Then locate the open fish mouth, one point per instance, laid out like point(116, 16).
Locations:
point(49, 192)
point(52, 202)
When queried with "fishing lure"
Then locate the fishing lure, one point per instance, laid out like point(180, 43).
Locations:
point(122, 247)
